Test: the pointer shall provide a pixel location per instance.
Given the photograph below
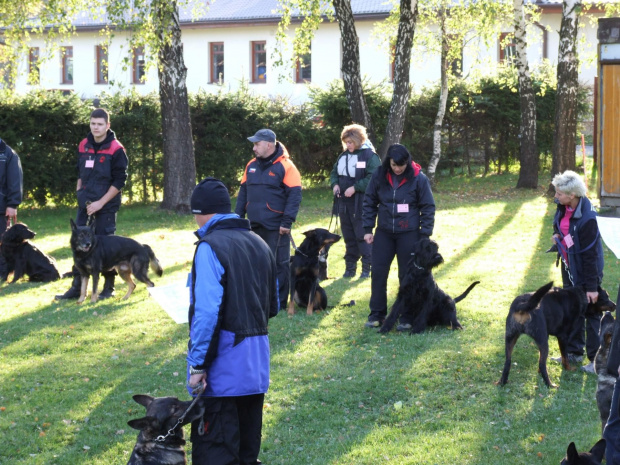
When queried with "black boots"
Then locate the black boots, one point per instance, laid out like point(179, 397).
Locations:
point(350, 268)
point(108, 285)
point(75, 289)
point(365, 270)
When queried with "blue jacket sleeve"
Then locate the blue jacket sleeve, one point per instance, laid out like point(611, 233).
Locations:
point(371, 203)
point(242, 200)
point(426, 204)
point(207, 299)
point(611, 434)
point(14, 179)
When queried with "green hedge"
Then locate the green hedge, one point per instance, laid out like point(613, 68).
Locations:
point(482, 118)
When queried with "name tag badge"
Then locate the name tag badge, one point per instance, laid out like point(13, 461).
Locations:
point(402, 208)
point(568, 240)
point(90, 163)
point(361, 164)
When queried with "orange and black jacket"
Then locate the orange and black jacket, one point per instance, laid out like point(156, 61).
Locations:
point(101, 166)
point(270, 191)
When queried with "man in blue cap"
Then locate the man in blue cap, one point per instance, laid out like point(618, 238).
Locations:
point(270, 195)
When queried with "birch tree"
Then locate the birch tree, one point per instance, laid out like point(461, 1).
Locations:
point(529, 156)
point(566, 98)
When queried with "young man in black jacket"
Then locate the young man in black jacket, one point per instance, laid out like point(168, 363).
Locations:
point(102, 173)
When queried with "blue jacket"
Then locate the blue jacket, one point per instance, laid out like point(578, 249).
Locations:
point(232, 296)
point(11, 178)
point(585, 257)
point(270, 191)
point(611, 433)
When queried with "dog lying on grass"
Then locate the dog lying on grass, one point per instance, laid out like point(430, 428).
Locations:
point(161, 437)
point(594, 457)
point(93, 254)
point(419, 292)
point(305, 289)
point(24, 259)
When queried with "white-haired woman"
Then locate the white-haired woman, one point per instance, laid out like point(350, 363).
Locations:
point(578, 240)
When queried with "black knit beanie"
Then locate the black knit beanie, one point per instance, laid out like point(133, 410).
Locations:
point(210, 196)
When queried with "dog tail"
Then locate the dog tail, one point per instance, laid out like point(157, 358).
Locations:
point(154, 262)
point(464, 294)
point(522, 313)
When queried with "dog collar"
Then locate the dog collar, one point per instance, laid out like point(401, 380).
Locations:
point(416, 265)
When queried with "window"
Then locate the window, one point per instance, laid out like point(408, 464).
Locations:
point(101, 52)
point(303, 72)
point(33, 65)
point(138, 65)
point(259, 62)
point(507, 49)
point(216, 62)
point(67, 65)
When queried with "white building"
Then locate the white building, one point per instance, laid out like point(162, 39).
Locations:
point(232, 44)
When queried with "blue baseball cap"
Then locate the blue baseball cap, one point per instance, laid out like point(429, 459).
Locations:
point(263, 134)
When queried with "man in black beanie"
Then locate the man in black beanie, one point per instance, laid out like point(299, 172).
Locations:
point(232, 296)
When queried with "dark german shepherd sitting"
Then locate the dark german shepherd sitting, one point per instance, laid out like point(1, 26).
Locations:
point(162, 416)
point(594, 457)
point(548, 311)
point(93, 254)
point(420, 293)
point(305, 289)
point(23, 258)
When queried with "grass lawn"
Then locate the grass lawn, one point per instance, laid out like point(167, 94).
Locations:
point(68, 372)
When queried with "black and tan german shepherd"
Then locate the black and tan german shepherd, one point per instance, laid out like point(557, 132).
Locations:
point(161, 438)
point(305, 289)
point(93, 254)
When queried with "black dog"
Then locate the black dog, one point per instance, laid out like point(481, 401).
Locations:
point(305, 289)
point(419, 292)
point(548, 311)
point(23, 258)
point(606, 380)
point(161, 438)
point(93, 254)
point(594, 457)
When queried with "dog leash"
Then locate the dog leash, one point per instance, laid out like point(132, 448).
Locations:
point(295, 247)
point(335, 213)
point(162, 438)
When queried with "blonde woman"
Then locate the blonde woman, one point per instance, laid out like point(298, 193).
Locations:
point(349, 178)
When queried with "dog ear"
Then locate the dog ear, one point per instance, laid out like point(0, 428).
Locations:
point(140, 423)
point(310, 233)
point(571, 453)
point(143, 399)
point(598, 450)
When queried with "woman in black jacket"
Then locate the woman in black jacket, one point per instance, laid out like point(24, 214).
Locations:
point(399, 201)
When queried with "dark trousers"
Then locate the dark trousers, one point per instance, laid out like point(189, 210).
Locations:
point(280, 245)
point(3, 225)
point(232, 433)
point(385, 246)
point(583, 334)
point(350, 213)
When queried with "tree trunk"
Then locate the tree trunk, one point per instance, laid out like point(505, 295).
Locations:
point(529, 156)
point(566, 97)
point(351, 73)
point(178, 145)
point(443, 99)
point(402, 62)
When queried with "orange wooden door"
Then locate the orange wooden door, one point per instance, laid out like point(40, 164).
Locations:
point(610, 130)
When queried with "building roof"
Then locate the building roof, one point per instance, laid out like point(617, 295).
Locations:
point(238, 11)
